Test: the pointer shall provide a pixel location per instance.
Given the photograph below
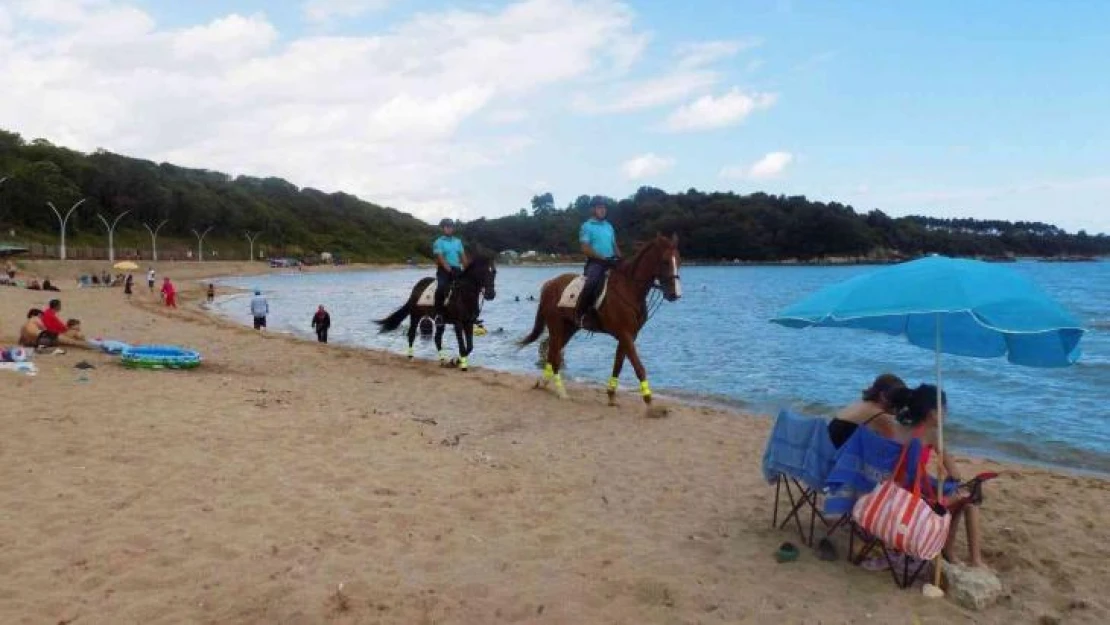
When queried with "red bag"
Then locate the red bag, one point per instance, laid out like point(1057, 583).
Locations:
point(901, 518)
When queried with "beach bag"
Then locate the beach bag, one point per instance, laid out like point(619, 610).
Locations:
point(901, 518)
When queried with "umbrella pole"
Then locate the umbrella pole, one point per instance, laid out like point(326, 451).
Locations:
point(940, 445)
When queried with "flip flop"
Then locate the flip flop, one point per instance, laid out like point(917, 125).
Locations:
point(787, 553)
point(826, 550)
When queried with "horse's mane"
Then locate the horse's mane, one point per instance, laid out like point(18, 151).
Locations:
point(629, 267)
point(477, 265)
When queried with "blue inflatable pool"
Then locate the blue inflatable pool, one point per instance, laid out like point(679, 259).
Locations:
point(159, 357)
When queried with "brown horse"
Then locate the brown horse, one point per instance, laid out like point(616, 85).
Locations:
point(621, 314)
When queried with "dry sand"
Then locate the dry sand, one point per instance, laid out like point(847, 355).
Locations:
point(287, 482)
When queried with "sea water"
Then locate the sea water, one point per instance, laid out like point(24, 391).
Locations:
point(717, 345)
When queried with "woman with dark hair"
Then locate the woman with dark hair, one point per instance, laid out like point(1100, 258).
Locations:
point(875, 410)
point(919, 417)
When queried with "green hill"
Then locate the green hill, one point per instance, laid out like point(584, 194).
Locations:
point(293, 220)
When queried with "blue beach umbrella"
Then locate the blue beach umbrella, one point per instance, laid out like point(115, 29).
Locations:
point(952, 306)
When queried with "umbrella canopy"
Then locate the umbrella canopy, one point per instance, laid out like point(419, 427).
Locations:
point(962, 307)
point(126, 265)
point(954, 306)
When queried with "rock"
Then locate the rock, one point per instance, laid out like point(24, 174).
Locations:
point(972, 588)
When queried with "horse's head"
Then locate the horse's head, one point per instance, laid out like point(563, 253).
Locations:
point(667, 273)
point(657, 263)
point(484, 274)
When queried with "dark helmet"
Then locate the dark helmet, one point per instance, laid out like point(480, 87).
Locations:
point(445, 222)
point(599, 201)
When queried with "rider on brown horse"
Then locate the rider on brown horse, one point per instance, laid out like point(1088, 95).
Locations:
point(599, 244)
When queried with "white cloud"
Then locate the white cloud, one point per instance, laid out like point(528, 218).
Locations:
point(646, 166)
point(699, 54)
point(507, 116)
point(398, 116)
point(709, 112)
point(324, 10)
point(636, 95)
point(772, 165)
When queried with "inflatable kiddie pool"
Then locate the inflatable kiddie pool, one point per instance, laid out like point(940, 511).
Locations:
point(159, 357)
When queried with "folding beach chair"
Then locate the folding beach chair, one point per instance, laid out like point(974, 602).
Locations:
point(797, 460)
point(866, 460)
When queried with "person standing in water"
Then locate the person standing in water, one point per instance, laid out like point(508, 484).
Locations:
point(211, 292)
point(321, 321)
point(259, 309)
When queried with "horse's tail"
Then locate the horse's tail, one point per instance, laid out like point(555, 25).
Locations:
point(393, 321)
point(537, 326)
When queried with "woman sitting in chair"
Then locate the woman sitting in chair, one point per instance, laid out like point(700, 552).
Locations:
point(874, 410)
point(920, 411)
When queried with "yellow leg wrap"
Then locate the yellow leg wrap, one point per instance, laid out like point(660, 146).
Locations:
point(559, 381)
point(442, 355)
point(613, 383)
point(548, 372)
point(410, 351)
point(463, 363)
point(645, 390)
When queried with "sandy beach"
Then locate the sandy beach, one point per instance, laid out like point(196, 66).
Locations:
point(289, 482)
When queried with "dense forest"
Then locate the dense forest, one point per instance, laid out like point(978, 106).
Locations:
point(294, 221)
point(761, 227)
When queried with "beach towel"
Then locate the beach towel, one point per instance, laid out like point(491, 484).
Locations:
point(862, 463)
point(799, 446)
point(26, 368)
point(109, 346)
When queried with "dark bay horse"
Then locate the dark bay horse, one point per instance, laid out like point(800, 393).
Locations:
point(462, 308)
point(621, 314)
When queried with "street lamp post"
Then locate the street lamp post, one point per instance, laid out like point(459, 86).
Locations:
point(154, 238)
point(200, 242)
point(111, 234)
point(62, 221)
point(252, 238)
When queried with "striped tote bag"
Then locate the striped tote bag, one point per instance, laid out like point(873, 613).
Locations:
point(901, 518)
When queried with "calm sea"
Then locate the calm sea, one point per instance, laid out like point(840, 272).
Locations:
point(716, 345)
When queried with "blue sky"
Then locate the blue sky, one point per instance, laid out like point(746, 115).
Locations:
point(466, 109)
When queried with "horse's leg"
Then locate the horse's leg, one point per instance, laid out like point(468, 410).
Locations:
point(413, 322)
point(628, 344)
point(439, 343)
point(618, 364)
point(559, 338)
point(460, 336)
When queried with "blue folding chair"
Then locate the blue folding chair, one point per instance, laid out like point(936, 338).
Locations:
point(797, 459)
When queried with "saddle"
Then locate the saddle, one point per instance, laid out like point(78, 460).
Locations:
point(573, 290)
point(428, 295)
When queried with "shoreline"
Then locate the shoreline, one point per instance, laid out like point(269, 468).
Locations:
point(284, 481)
point(723, 403)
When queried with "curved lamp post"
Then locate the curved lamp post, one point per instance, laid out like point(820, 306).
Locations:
point(62, 221)
point(200, 242)
point(111, 234)
point(252, 238)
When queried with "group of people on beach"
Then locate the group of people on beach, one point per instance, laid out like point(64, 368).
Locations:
point(45, 328)
point(891, 409)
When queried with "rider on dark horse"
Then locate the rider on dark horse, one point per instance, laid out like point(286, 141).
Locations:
point(450, 260)
point(599, 244)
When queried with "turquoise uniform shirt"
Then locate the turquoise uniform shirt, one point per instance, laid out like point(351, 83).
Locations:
point(451, 249)
point(600, 236)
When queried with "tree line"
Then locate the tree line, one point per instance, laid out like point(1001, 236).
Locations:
point(296, 221)
point(760, 227)
point(711, 225)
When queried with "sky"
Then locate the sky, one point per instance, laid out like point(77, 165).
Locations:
point(469, 108)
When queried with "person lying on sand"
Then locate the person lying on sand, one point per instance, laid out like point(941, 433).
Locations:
point(921, 410)
point(874, 410)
